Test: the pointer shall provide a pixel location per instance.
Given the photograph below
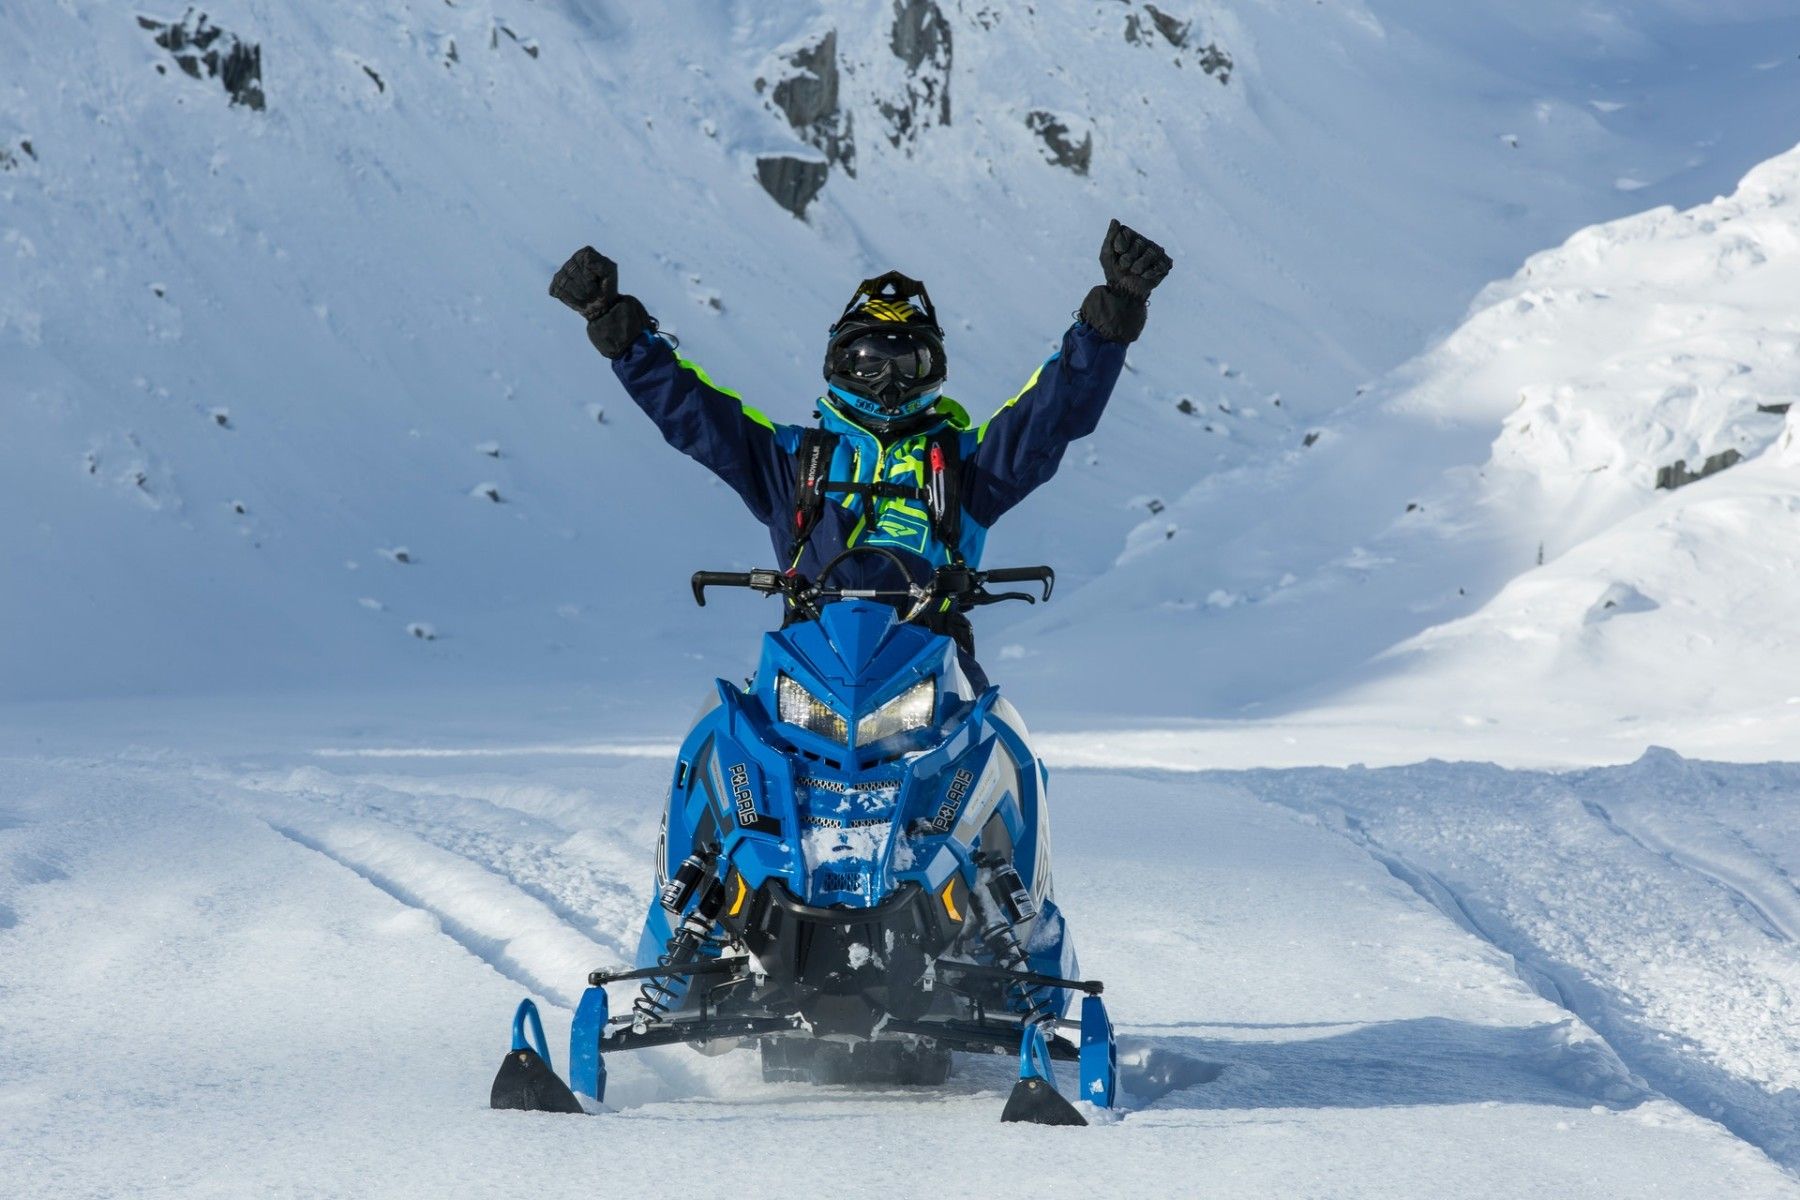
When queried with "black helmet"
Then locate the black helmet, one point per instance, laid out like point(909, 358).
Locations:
point(885, 359)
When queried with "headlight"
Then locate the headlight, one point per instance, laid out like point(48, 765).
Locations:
point(911, 709)
point(800, 707)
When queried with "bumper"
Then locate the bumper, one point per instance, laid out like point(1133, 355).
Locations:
point(845, 968)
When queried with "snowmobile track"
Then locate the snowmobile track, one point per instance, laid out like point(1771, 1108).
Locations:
point(1749, 894)
point(1762, 1120)
point(491, 950)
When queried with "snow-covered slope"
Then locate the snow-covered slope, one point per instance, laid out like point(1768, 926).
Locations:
point(1506, 534)
point(291, 975)
point(273, 334)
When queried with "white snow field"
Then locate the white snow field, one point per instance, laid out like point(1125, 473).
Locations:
point(291, 975)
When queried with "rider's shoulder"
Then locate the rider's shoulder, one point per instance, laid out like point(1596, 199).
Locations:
point(955, 415)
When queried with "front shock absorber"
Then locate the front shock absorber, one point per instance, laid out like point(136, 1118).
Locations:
point(659, 994)
point(1006, 906)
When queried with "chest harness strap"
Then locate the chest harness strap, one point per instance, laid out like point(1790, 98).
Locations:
point(941, 495)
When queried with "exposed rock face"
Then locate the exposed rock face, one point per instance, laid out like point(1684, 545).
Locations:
point(1214, 62)
point(793, 182)
point(205, 51)
point(921, 40)
point(13, 160)
point(528, 45)
point(808, 98)
point(807, 91)
point(1677, 475)
point(1145, 28)
point(806, 94)
point(1060, 146)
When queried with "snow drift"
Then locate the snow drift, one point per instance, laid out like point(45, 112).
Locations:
point(1576, 519)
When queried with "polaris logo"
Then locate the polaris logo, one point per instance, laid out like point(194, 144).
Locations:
point(746, 799)
point(959, 787)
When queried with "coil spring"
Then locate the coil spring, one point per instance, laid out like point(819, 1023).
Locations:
point(658, 995)
point(1003, 942)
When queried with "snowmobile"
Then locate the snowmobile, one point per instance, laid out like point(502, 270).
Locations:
point(853, 873)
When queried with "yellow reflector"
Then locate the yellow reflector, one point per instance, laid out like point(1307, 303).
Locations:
point(949, 902)
point(737, 902)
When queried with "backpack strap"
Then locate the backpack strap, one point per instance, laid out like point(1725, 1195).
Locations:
point(942, 493)
point(812, 464)
point(943, 486)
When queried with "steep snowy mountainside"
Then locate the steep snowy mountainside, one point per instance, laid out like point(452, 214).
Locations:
point(1537, 535)
point(287, 405)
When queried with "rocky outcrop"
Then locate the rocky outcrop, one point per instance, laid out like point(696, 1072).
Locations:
point(1060, 147)
point(528, 45)
point(1677, 475)
point(807, 95)
point(1148, 25)
point(13, 160)
point(205, 51)
point(793, 182)
point(805, 92)
point(920, 39)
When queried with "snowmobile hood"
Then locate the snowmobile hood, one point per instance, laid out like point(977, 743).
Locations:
point(856, 630)
point(860, 649)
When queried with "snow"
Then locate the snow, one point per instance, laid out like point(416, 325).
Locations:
point(286, 973)
point(355, 273)
point(347, 637)
point(1483, 540)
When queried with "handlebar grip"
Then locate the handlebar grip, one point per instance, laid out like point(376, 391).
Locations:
point(705, 579)
point(1043, 575)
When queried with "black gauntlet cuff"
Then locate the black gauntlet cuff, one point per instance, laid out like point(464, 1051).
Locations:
point(1115, 315)
point(619, 326)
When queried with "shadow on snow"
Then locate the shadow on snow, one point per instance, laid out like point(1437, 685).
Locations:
point(1427, 1060)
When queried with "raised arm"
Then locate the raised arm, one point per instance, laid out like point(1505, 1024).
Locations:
point(708, 423)
point(1021, 445)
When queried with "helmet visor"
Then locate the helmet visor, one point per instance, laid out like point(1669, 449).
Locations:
point(879, 357)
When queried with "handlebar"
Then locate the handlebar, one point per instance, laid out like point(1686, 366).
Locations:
point(958, 583)
point(764, 581)
point(1043, 575)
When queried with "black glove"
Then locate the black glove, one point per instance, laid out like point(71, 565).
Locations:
point(1132, 262)
point(589, 284)
point(1133, 265)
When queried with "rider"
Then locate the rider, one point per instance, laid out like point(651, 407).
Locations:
point(888, 420)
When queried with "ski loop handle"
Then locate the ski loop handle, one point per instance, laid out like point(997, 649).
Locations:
point(527, 1013)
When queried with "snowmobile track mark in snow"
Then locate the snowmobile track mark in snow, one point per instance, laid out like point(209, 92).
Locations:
point(1740, 891)
point(1710, 1093)
point(490, 950)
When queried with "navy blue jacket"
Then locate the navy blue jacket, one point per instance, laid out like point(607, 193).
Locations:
point(1004, 459)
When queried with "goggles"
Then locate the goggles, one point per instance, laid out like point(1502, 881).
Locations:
point(881, 359)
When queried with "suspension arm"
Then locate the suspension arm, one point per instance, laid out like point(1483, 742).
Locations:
point(980, 1039)
point(701, 966)
point(629, 1037)
point(1092, 987)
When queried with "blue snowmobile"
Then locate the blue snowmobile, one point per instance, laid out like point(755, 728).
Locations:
point(853, 874)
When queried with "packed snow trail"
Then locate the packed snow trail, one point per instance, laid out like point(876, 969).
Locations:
point(292, 975)
point(1653, 900)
